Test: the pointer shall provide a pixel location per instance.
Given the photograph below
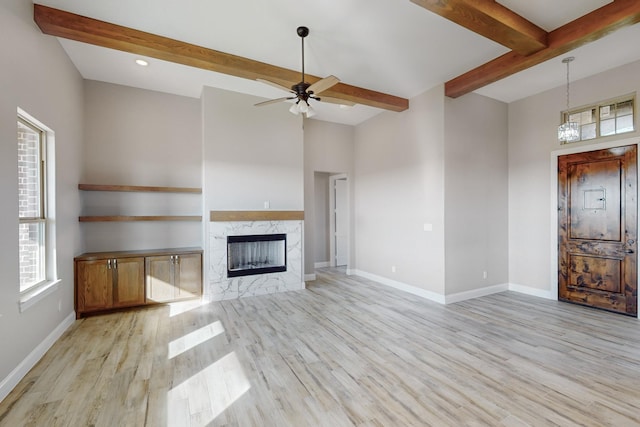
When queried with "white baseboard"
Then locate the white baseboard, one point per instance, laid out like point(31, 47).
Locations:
point(475, 293)
point(457, 297)
point(532, 291)
point(322, 264)
point(12, 380)
point(431, 296)
point(309, 277)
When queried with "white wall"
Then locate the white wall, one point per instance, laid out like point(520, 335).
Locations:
point(399, 186)
point(533, 126)
point(251, 154)
point(476, 205)
point(328, 147)
point(37, 76)
point(141, 137)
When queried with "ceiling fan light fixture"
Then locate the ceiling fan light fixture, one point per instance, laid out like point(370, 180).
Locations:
point(310, 112)
point(302, 106)
point(302, 91)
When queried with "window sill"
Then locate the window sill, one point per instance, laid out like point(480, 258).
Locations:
point(29, 298)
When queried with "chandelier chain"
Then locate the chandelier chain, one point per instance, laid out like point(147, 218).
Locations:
point(567, 87)
point(567, 61)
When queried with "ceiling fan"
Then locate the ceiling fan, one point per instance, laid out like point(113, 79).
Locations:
point(302, 92)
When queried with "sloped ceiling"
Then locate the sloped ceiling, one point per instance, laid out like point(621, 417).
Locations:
point(391, 46)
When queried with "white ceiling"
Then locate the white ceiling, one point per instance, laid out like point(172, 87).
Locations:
point(392, 46)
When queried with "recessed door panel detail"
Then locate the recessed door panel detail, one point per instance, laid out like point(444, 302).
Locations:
point(595, 200)
point(601, 274)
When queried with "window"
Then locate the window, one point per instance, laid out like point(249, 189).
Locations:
point(32, 205)
point(616, 118)
point(607, 118)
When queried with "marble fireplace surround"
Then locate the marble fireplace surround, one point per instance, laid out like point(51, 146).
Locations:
point(236, 223)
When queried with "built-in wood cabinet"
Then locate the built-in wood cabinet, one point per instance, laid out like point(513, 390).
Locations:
point(109, 280)
point(109, 283)
point(173, 277)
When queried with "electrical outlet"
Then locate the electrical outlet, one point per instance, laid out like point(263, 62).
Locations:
point(267, 204)
point(59, 305)
point(393, 268)
point(484, 275)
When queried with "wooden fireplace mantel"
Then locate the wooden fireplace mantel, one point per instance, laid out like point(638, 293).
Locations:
point(221, 216)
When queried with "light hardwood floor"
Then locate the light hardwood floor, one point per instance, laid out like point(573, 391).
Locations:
point(344, 352)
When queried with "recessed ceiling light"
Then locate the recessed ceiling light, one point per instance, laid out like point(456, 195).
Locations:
point(142, 62)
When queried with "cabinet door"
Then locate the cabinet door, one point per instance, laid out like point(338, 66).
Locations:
point(188, 277)
point(94, 283)
point(128, 289)
point(160, 279)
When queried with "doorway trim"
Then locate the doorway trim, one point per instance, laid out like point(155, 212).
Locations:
point(332, 219)
point(553, 215)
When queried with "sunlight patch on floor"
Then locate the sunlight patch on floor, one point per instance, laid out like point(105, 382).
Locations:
point(210, 391)
point(177, 308)
point(195, 338)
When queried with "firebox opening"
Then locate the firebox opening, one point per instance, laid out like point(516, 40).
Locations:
point(256, 254)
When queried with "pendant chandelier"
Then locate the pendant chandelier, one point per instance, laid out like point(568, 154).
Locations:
point(568, 131)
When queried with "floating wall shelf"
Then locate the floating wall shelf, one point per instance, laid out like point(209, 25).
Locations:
point(139, 188)
point(129, 218)
point(220, 216)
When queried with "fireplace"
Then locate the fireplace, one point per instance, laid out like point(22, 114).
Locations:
point(256, 254)
point(229, 227)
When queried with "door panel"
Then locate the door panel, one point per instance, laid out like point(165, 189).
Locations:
point(160, 279)
point(595, 273)
point(342, 221)
point(595, 199)
point(597, 223)
point(97, 285)
point(189, 276)
point(129, 283)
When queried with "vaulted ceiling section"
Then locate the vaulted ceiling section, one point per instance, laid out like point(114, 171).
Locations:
point(530, 45)
point(512, 30)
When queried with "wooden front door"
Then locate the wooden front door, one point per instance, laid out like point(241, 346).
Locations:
point(597, 223)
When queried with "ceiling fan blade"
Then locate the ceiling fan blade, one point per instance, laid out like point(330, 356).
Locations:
point(273, 101)
point(330, 100)
point(276, 85)
point(322, 85)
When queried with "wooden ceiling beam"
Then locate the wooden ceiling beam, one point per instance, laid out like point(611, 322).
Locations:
point(586, 29)
point(491, 20)
point(67, 25)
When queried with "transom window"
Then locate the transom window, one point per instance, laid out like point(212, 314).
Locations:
point(610, 117)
